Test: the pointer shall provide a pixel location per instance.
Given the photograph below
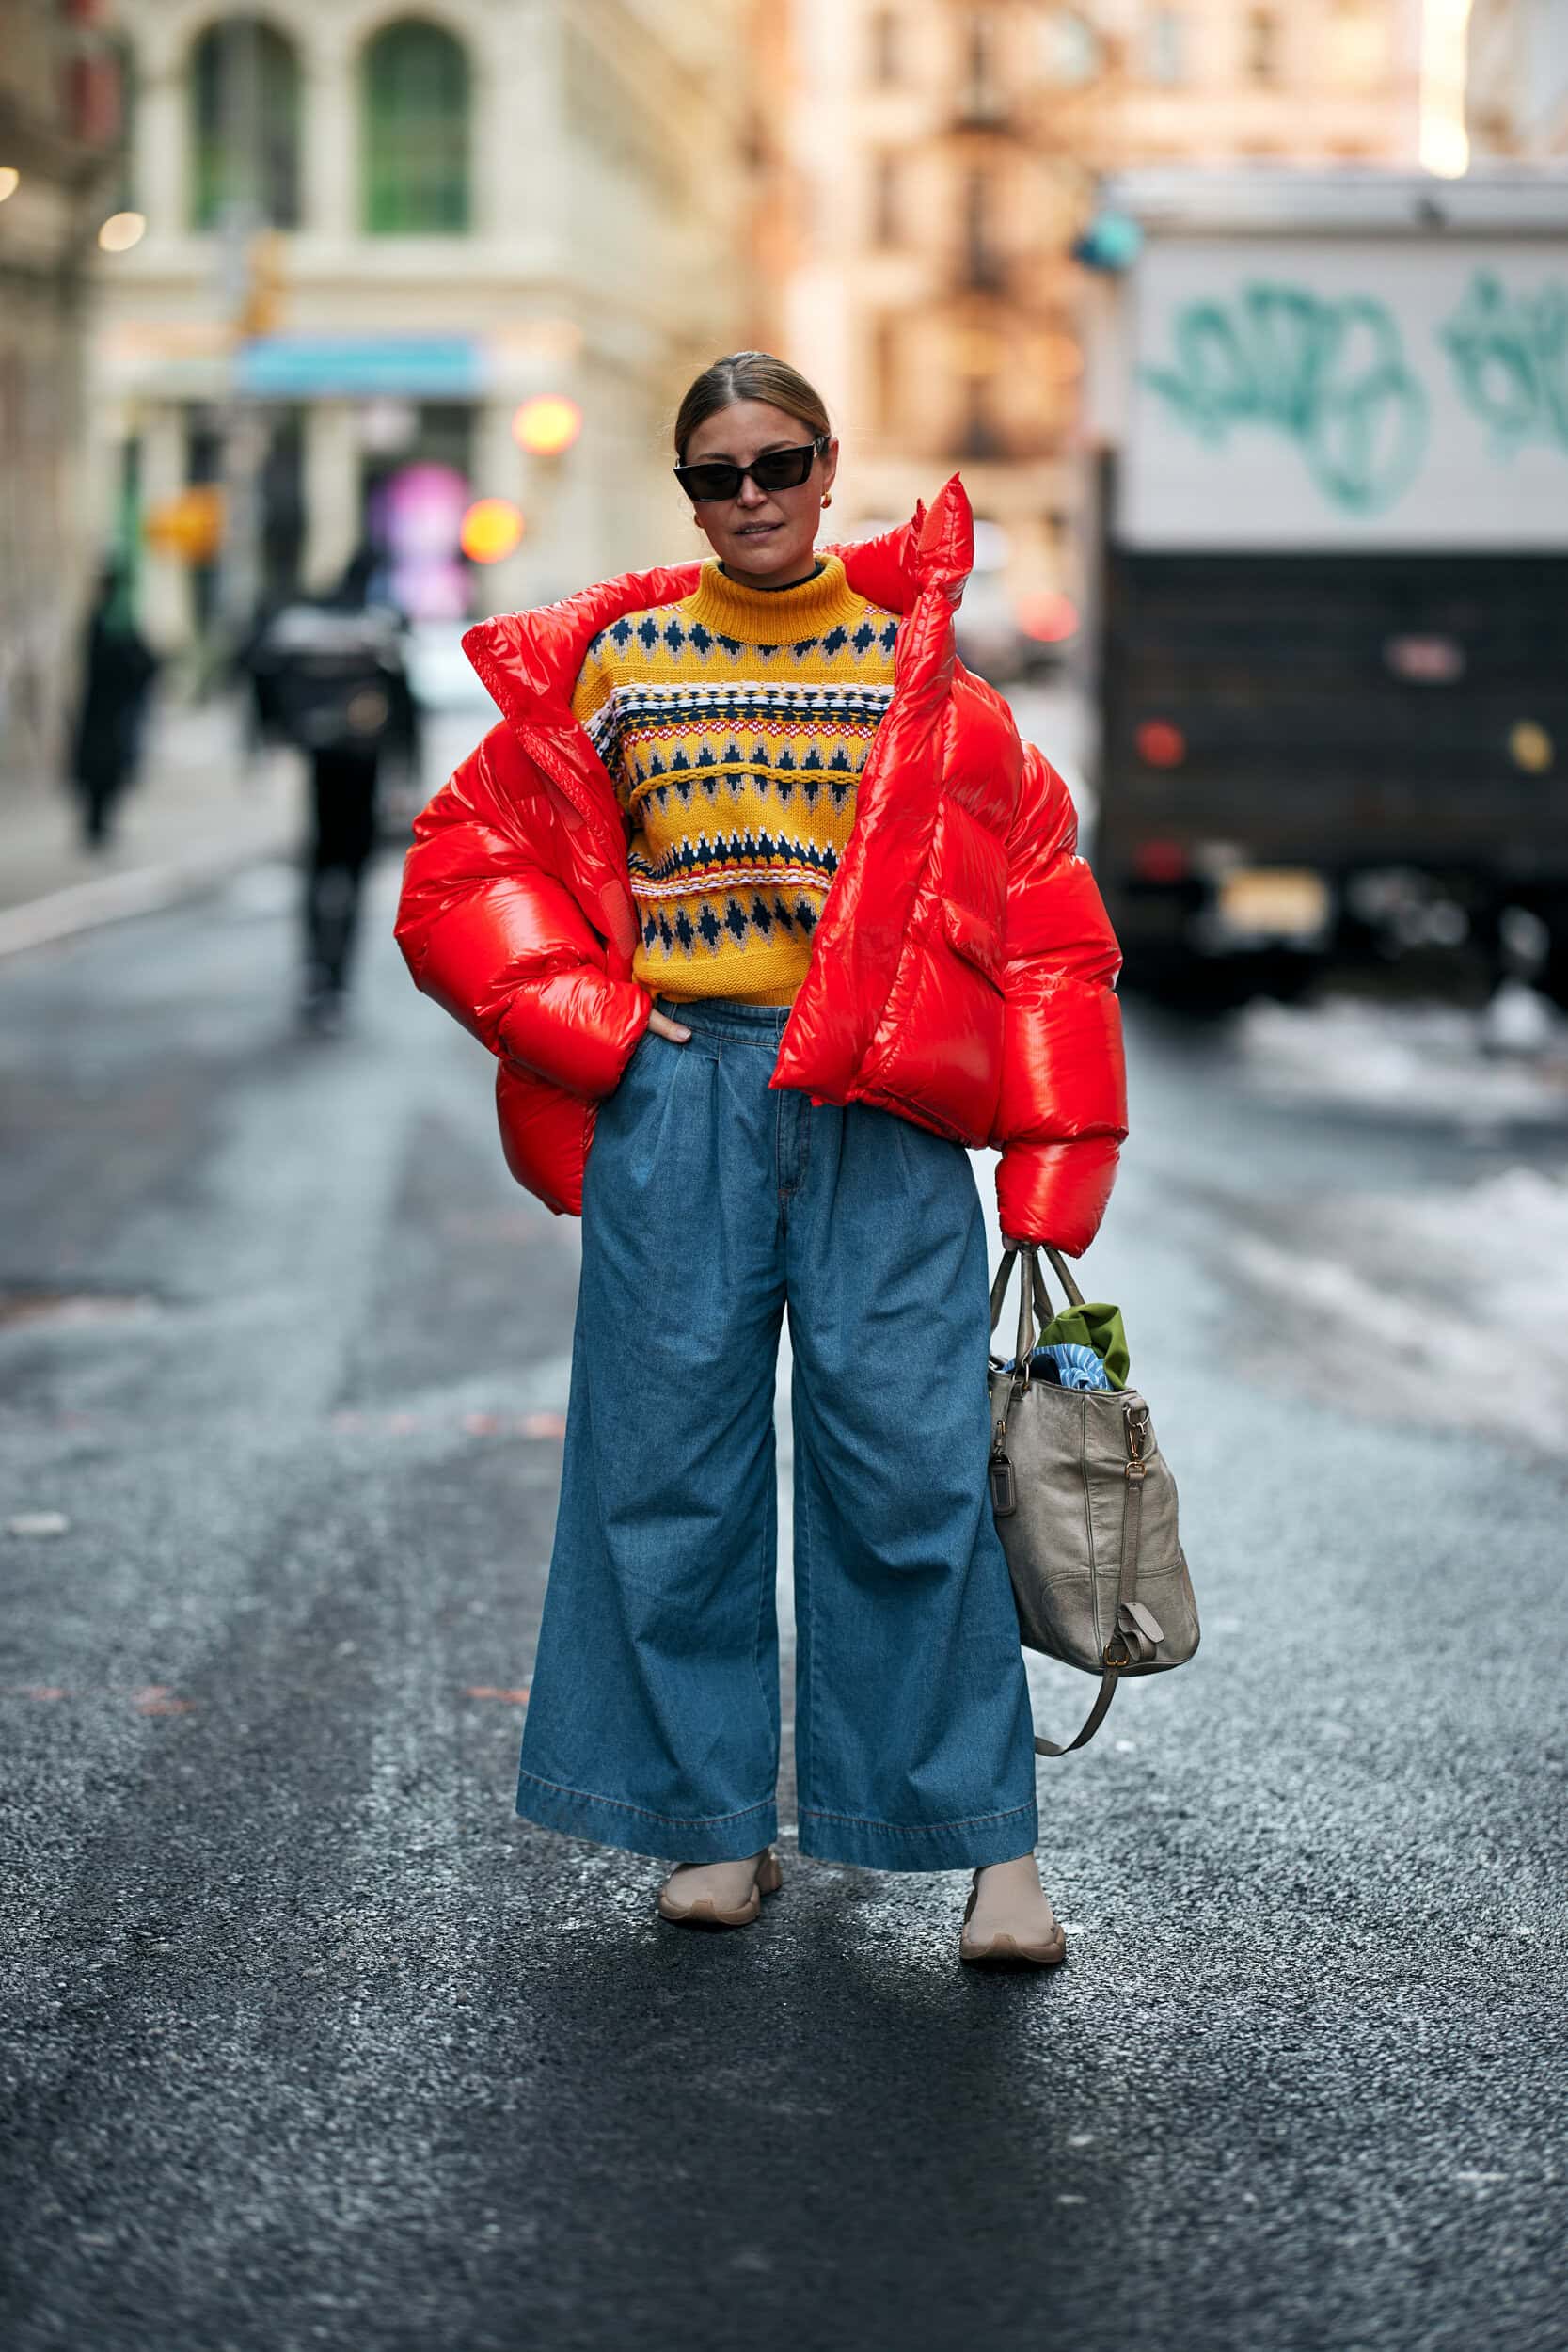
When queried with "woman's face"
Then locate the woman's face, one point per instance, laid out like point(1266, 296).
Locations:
point(762, 537)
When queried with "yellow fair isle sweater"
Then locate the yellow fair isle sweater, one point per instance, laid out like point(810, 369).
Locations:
point(735, 726)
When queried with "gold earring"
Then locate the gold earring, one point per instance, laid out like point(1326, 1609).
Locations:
point(827, 498)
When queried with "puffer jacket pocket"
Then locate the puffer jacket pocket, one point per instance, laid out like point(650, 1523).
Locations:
point(972, 937)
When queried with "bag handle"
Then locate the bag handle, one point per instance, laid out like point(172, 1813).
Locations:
point(1031, 1282)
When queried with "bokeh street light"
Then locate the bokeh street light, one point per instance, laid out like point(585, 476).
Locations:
point(1531, 747)
point(121, 230)
point(491, 529)
point(1050, 617)
point(547, 426)
point(1160, 743)
point(189, 526)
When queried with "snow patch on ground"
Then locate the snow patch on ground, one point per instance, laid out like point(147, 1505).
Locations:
point(1451, 1306)
point(1509, 1062)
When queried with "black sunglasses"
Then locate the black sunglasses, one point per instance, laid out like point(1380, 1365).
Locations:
point(776, 470)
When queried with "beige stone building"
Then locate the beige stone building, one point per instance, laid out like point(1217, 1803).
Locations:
point(945, 153)
point(59, 129)
point(1516, 86)
point(472, 202)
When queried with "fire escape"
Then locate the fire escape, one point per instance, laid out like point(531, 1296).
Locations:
point(979, 293)
point(1005, 292)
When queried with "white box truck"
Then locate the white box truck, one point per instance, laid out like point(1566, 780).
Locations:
point(1326, 432)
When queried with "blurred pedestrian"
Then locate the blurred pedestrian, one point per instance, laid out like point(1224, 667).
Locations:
point(117, 670)
point(331, 676)
point(766, 926)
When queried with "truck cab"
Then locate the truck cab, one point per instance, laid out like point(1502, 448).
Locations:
point(1326, 458)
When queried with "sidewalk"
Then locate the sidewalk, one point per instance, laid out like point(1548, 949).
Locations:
point(199, 811)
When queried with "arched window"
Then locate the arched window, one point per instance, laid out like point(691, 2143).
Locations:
point(983, 270)
point(1261, 53)
point(887, 48)
point(1072, 50)
point(1167, 62)
point(1358, 43)
point(415, 135)
point(245, 127)
point(887, 192)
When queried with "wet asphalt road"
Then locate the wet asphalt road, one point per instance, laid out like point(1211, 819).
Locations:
point(308, 2041)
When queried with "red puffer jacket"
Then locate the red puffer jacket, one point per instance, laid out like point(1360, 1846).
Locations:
point(962, 969)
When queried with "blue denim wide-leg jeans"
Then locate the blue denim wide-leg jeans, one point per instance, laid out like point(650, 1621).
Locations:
point(712, 1205)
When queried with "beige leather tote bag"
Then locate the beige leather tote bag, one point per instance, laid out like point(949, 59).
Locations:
point(1085, 1506)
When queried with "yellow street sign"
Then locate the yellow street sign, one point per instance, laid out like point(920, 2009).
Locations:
point(188, 525)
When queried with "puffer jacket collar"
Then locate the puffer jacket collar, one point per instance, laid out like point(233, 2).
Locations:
point(530, 661)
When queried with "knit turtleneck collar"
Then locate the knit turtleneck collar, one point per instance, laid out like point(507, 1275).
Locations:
point(774, 616)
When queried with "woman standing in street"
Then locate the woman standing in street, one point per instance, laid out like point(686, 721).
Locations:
point(767, 915)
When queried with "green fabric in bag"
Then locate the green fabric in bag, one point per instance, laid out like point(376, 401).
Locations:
point(1096, 1325)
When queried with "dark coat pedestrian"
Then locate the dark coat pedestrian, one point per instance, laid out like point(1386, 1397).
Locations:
point(117, 670)
point(330, 677)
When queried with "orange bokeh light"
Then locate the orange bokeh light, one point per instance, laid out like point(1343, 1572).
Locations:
point(491, 529)
point(1049, 617)
point(547, 426)
point(1160, 744)
point(189, 525)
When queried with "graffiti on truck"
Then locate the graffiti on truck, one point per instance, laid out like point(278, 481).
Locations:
point(1510, 357)
point(1331, 375)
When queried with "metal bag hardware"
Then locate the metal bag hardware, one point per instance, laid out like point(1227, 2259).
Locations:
point(1004, 1487)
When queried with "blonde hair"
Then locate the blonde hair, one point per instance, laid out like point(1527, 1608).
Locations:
point(749, 375)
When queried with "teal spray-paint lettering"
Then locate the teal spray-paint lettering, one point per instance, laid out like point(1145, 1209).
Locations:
point(1510, 358)
point(1330, 376)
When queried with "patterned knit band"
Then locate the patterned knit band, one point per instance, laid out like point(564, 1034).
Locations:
point(735, 726)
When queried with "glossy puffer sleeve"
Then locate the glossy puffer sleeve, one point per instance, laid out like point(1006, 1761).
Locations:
point(490, 930)
point(1062, 1112)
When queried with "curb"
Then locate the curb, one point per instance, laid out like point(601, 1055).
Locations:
point(61, 914)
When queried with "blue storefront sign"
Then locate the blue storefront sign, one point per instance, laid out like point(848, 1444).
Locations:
point(361, 367)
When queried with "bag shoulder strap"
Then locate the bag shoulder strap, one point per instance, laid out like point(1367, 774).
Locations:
point(1096, 1715)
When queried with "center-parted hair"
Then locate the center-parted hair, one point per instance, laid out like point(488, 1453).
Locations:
point(750, 375)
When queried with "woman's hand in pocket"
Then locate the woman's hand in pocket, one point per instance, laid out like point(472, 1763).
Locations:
point(666, 1028)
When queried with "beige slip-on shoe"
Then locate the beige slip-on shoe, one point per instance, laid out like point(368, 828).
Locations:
point(1005, 1950)
point(705, 1913)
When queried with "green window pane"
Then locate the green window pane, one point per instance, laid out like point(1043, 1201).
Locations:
point(245, 124)
point(416, 132)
